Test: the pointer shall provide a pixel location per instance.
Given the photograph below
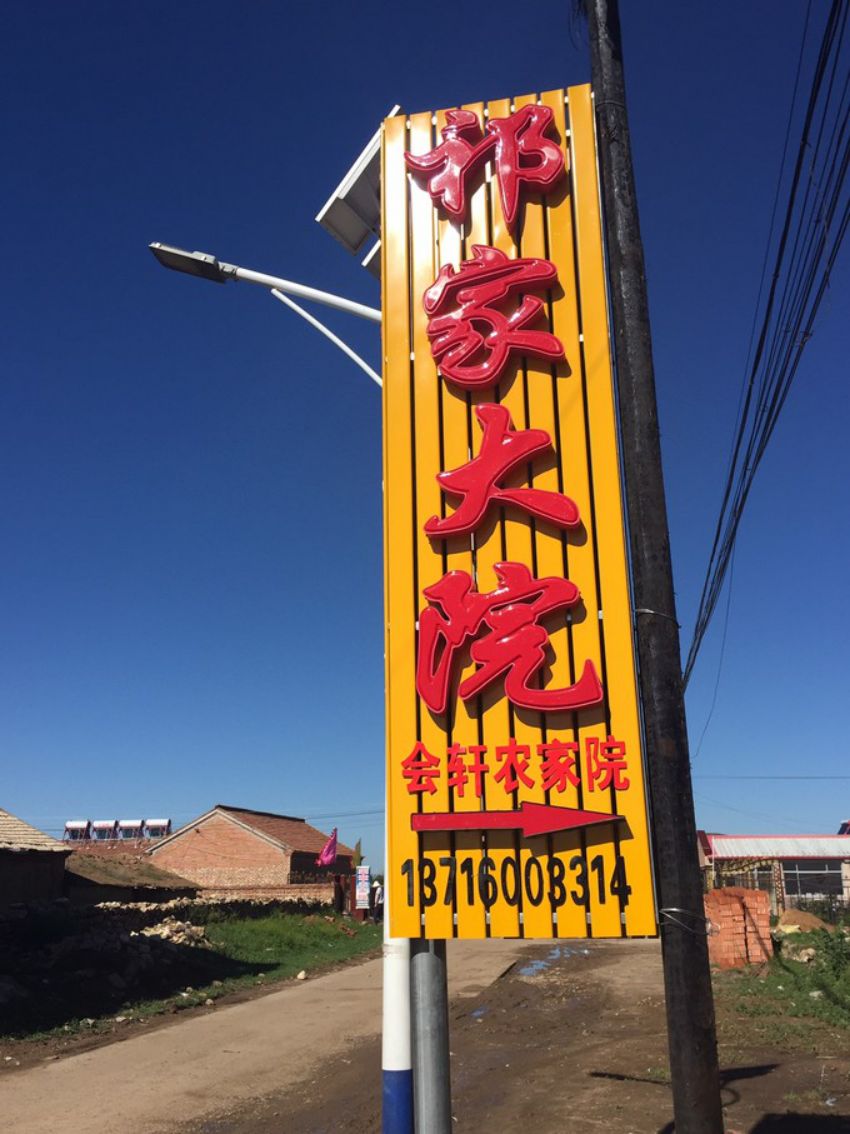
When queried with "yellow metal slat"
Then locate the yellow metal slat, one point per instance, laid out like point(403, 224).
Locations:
point(529, 399)
point(572, 478)
point(427, 462)
point(616, 618)
point(459, 437)
point(500, 845)
point(399, 549)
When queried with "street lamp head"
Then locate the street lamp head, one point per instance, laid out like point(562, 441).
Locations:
point(200, 264)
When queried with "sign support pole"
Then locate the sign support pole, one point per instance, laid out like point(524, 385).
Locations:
point(396, 1066)
point(690, 1007)
point(429, 1012)
point(396, 1073)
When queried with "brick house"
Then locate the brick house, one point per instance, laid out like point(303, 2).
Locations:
point(237, 852)
point(32, 865)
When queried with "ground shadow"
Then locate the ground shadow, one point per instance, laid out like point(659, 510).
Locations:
point(728, 1093)
point(793, 1123)
point(91, 982)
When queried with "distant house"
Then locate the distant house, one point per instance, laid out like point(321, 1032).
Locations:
point(32, 865)
point(236, 851)
point(789, 866)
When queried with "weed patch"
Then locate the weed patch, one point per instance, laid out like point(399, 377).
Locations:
point(784, 998)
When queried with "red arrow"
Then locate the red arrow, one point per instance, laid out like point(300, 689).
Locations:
point(533, 818)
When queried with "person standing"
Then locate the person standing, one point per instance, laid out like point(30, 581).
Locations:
point(377, 902)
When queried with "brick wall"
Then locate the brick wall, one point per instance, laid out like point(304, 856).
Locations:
point(740, 927)
point(323, 893)
point(222, 857)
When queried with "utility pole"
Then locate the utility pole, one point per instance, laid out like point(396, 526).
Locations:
point(690, 1007)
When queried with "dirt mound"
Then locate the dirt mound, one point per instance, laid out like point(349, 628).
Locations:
point(125, 870)
point(802, 921)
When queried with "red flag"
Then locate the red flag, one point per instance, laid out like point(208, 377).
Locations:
point(327, 855)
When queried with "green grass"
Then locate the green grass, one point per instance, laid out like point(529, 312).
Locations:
point(284, 944)
point(779, 995)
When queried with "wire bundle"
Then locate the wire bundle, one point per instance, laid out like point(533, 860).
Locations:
point(816, 218)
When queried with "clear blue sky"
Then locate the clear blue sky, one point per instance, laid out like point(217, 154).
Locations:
point(191, 576)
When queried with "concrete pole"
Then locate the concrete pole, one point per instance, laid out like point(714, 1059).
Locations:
point(429, 1005)
point(396, 1066)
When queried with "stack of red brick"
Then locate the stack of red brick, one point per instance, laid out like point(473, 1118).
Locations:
point(739, 930)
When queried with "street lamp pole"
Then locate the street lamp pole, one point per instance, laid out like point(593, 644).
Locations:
point(205, 266)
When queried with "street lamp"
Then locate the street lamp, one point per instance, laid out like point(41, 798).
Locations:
point(205, 266)
point(200, 264)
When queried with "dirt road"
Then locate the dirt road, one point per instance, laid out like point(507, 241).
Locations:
point(155, 1082)
point(573, 1039)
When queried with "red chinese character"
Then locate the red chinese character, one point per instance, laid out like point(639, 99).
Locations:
point(462, 305)
point(450, 165)
point(514, 769)
point(502, 449)
point(421, 769)
point(514, 648)
point(558, 764)
point(460, 772)
point(606, 763)
point(523, 156)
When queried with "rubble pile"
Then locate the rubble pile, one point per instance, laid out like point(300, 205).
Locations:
point(177, 932)
point(22, 925)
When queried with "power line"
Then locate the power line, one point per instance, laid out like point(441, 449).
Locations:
point(816, 219)
point(724, 776)
point(720, 659)
point(346, 814)
point(783, 820)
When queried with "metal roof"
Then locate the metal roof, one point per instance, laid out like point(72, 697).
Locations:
point(780, 846)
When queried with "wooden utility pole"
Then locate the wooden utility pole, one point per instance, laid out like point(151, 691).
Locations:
point(687, 980)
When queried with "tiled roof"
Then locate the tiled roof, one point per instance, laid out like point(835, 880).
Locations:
point(15, 834)
point(294, 833)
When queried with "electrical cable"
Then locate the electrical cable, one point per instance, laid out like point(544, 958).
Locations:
point(808, 246)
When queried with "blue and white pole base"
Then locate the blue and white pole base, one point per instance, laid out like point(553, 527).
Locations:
point(397, 1105)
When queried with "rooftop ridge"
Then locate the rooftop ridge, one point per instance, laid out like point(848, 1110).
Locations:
point(254, 811)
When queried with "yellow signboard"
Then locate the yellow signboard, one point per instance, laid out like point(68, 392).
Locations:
point(516, 801)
